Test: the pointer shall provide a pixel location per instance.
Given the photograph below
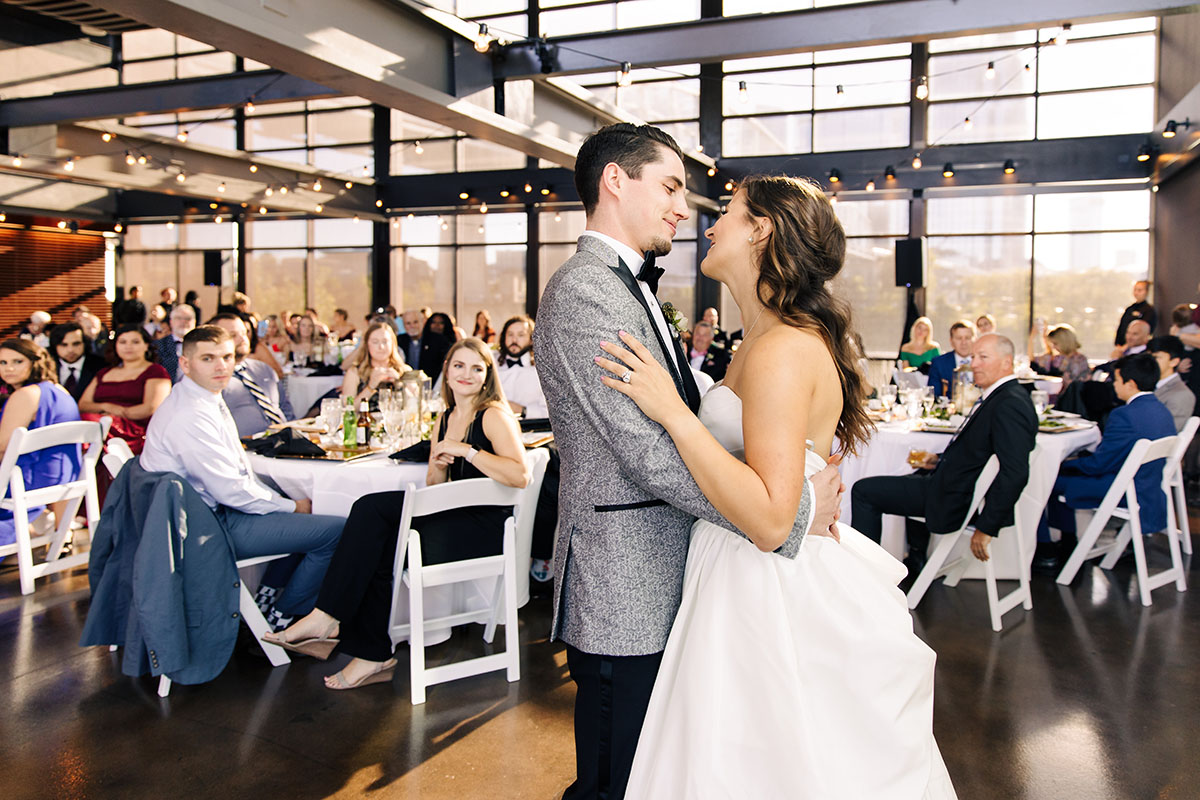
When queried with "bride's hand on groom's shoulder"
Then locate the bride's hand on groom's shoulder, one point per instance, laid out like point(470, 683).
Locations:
point(641, 378)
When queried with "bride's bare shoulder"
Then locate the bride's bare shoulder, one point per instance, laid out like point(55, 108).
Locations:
point(785, 341)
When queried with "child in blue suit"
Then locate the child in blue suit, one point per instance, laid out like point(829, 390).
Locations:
point(1083, 482)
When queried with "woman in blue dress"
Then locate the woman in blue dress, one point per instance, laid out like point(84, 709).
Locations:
point(34, 400)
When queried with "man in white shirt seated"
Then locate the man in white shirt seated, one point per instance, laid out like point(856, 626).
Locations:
point(253, 394)
point(193, 435)
point(1171, 391)
point(518, 376)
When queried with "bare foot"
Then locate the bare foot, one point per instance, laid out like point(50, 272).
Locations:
point(316, 625)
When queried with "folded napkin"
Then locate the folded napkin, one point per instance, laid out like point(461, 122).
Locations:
point(326, 371)
point(418, 452)
point(287, 442)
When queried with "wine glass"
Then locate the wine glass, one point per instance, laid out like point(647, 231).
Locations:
point(331, 413)
point(1041, 401)
point(927, 400)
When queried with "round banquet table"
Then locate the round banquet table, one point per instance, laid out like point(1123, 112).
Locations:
point(303, 392)
point(886, 453)
point(334, 486)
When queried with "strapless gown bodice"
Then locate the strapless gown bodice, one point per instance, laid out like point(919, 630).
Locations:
point(789, 678)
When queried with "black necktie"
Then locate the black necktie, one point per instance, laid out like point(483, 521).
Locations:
point(71, 381)
point(649, 273)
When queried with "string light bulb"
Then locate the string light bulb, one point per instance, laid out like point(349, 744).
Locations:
point(990, 72)
point(221, 187)
point(395, 222)
point(743, 92)
point(317, 185)
point(213, 206)
point(319, 208)
point(17, 161)
point(349, 184)
point(922, 88)
point(106, 137)
point(464, 194)
point(249, 107)
point(840, 89)
point(218, 219)
point(483, 209)
point(545, 190)
point(528, 188)
point(419, 148)
point(505, 192)
point(270, 190)
point(967, 124)
point(948, 170)
point(412, 215)
point(625, 76)
point(254, 167)
point(1064, 35)
point(170, 225)
point(182, 136)
point(130, 159)
point(1009, 167)
point(141, 160)
point(379, 204)
point(729, 186)
point(355, 219)
point(62, 224)
point(181, 177)
point(445, 225)
point(69, 165)
point(483, 41)
point(262, 209)
point(916, 162)
point(712, 172)
point(283, 189)
point(871, 185)
point(3, 216)
point(118, 227)
point(557, 217)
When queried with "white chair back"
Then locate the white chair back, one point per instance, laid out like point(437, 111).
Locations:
point(14, 496)
point(118, 456)
point(1177, 495)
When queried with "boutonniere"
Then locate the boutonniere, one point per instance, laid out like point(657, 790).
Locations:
point(677, 321)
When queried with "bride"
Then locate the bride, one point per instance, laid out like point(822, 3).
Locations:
point(781, 678)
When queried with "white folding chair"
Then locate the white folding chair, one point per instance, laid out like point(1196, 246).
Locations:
point(957, 544)
point(116, 457)
point(1144, 451)
point(504, 568)
point(910, 380)
point(1178, 494)
point(16, 498)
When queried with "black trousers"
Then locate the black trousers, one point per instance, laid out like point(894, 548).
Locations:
point(903, 495)
point(357, 590)
point(610, 706)
point(547, 509)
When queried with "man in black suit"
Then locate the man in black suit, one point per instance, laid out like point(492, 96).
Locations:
point(170, 348)
point(131, 311)
point(705, 355)
point(1139, 309)
point(1003, 423)
point(71, 351)
point(420, 348)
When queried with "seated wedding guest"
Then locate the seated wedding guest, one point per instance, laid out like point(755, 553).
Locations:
point(720, 337)
point(1170, 390)
point(156, 323)
point(35, 400)
point(37, 329)
point(192, 298)
point(343, 328)
point(704, 355)
point(985, 324)
point(169, 348)
point(277, 341)
point(1139, 309)
point(1137, 336)
point(1083, 482)
point(310, 344)
point(376, 364)
point(477, 437)
point(169, 296)
point(259, 351)
point(193, 435)
point(77, 365)
point(443, 324)
point(93, 330)
point(252, 396)
point(130, 390)
point(943, 368)
point(483, 327)
point(1061, 356)
point(920, 348)
point(131, 310)
point(1002, 423)
point(421, 349)
point(517, 372)
point(1188, 331)
point(240, 303)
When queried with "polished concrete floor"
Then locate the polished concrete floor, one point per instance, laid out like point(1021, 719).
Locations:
point(1089, 696)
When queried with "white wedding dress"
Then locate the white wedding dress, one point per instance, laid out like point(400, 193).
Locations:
point(799, 679)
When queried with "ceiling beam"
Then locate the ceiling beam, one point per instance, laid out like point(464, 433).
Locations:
point(712, 40)
point(160, 97)
point(383, 52)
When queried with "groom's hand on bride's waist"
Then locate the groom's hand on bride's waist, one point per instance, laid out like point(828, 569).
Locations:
point(827, 498)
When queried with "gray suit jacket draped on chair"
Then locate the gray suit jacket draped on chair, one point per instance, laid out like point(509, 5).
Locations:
point(626, 499)
point(163, 577)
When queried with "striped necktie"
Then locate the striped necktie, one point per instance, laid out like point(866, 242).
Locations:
point(269, 409)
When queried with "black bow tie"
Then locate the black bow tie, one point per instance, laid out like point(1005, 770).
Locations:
point(650, 273)
point(513, 362)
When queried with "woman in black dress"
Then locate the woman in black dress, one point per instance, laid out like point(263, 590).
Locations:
point(477, 437)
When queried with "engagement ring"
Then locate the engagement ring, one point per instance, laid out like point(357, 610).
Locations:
point(625, 378)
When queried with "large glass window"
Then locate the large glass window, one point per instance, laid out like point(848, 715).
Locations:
point(158, 256)
point(868, 279)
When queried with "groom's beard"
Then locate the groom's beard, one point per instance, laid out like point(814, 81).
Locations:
point(660, 247)
point(516, 352)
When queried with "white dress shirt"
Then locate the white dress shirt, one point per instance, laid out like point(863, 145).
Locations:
point(633, 259)
point(1137, 348)
point(192, 434)
point(521, 386)
point(988, 391)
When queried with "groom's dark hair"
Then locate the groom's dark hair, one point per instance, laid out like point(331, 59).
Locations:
point(630, 147)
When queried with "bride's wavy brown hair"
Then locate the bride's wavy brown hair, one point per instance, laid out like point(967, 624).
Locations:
point(805, 251)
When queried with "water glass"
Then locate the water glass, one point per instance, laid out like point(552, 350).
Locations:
point(1041, 401)
point(331, 413)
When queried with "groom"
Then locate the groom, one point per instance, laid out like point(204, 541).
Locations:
point(626, 500)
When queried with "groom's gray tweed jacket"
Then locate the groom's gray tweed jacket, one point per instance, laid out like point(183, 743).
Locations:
point(626, 499)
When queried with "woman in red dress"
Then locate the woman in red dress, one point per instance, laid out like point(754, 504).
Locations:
point(130, 390)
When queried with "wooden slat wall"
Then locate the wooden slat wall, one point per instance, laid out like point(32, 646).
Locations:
point(52, 272)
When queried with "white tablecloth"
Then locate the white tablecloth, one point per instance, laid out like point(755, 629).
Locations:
point(333, 487)
point(887, 454)
point(303, 392)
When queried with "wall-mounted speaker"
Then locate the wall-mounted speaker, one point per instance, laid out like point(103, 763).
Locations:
point(212, 267)
point(910, 262)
